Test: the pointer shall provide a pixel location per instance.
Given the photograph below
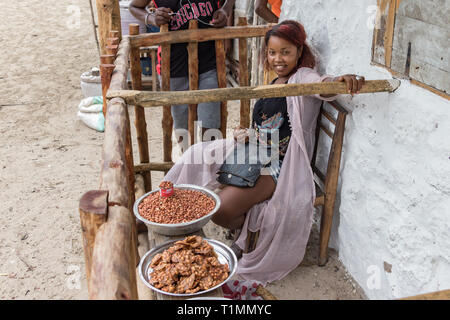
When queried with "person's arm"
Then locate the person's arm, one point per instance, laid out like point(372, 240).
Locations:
point(137, 9)
point(220, 17)
point(160, 17)
point(228, 6)
point(354, 83)
point(264, 12)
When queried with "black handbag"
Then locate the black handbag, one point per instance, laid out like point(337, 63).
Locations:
point(242, 167)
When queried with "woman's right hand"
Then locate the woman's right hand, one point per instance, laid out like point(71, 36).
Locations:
point(240, 134)
point(162, 16)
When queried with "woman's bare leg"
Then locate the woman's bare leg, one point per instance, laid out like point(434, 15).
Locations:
point(235, 202)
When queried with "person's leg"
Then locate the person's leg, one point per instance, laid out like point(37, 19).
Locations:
point(180, 113)
point(208, 113)
point(235, 202)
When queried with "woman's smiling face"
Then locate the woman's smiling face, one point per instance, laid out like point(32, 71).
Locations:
point(282, 56)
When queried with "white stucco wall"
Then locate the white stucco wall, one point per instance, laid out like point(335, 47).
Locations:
point(393, 206)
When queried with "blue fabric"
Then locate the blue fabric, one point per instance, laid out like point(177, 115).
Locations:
point(152, 29)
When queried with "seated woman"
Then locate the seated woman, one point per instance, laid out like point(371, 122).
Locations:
point(280, 204)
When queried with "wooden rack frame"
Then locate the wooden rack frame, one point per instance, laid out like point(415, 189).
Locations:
point(108, 225)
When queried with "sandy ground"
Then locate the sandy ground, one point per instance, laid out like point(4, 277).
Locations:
point(48, 159)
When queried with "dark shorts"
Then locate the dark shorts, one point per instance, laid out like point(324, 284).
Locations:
point(273, 169)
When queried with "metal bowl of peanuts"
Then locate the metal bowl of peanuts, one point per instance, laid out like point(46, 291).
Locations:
point(176, 229)
point(224, 255)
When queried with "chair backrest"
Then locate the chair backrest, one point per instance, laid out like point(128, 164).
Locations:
point(328, 180)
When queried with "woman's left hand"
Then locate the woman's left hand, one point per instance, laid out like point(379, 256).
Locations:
point(354, 82)
point(240, 134)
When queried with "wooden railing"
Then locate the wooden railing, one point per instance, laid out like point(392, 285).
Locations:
point(108, 225)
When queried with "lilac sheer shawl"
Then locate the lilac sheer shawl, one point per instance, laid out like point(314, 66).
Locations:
point(284, 220)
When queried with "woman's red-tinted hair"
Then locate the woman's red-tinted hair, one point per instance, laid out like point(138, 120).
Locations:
point(295, 33)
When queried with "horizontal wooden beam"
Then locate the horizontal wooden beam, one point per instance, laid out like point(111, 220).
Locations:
point(328, 116)
point(163, 98)
point(113, 274)
point(199, 35)
point(439, 295)
point(320, 201)
point(327, 132)
point(114, 171)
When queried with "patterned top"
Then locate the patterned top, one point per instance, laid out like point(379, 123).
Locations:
point(270, 114)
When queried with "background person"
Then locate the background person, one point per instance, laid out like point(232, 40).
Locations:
point(177, 14)
point(271, 14)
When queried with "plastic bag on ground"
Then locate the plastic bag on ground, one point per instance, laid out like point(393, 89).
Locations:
point(94, 121)
point(90, 112)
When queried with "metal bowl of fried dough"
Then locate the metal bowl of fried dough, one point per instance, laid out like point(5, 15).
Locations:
point(223, 253)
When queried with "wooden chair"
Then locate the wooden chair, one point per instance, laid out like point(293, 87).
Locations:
point(326, 184)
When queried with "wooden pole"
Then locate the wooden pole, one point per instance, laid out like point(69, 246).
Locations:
point(119, 78)
point(107, 59)
point(154, 72)
point(117, 171)
point(145, 293)
point(439, 295)
point(193, 81)
point(153, 99)
point(112, 49)
point(112, 45)
point(153, 166)
point(222, 82)
point(200, 35)
point(129, 161)
point(93, 210)
point(255, 58)
point(167, 121)
point(243, 76)
point(331, 184)
point(264, 293)
point(115, 34)
point(106, 71)
point(114, 174)
point(140, 123)
point(108, 17)
point(112, 41)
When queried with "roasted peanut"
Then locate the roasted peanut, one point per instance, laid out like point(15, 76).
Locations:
point(182, 206)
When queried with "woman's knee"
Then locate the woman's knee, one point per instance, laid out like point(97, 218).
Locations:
point(265, 187)
point(228, 221)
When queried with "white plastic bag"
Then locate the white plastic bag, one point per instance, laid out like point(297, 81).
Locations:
point(91, 83)
point(91, 104)
point(94, 121)
point(90, 111)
